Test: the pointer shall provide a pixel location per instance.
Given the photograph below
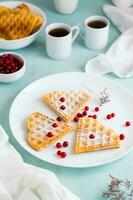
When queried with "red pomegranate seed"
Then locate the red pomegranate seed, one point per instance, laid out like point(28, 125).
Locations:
point(84, 113)
point(62, 99)
point(62, 107)
point(59, 119)
point(96, 109)
point(122, 136)
point(91, 136)
point(65, 144)
point(89, 115)
point(63, 154)
point(94, 116)
point(108, 116)
point(58, 152)
point(76, 119)
point(127, 123)
point(49, 134)
point(112, 115)
point(54, 125)
point(58, 145)
point(86, 108)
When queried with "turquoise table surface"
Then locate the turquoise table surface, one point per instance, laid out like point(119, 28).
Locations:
point(87, 183)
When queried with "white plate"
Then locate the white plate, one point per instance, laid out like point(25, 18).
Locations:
point(29, 100)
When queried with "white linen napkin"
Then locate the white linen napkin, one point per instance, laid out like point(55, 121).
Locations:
point(122, 17)
point(119, 58)
point(122, 3)
point(21, 181)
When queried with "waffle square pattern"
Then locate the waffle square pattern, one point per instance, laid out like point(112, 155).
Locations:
point(92, 135)
point(66, 104)
point(43, 131)
point(18, 22)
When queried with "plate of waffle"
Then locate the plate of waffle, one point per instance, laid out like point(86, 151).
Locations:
point(73, 119)
point(20, 23)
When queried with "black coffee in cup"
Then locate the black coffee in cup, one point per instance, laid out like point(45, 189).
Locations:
point(97, 24)
point(58, 32)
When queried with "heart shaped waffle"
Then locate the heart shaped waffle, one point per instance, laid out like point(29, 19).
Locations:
point(66, 104)
point(93, 135)
point(43, 131)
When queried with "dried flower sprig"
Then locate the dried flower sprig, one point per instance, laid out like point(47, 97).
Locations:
point(103, 96)
point(119, 189)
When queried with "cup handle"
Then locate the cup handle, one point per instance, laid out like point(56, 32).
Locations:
point(75, 32)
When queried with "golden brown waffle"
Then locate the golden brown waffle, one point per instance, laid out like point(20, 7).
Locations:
point(21, 7)
point(2, 36)
point(4, 10)
point(39, 126)
point(93, 135)
point(18, 22)
point(73, 102)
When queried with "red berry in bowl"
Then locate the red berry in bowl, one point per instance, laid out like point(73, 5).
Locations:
point(65, 144)
point(10, 63)
point(9, 56)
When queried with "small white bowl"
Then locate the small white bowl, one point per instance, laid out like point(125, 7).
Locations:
point(11, 77)
point(20, 43)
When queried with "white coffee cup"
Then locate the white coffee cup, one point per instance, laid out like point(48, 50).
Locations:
point(65, 6)
point(96, 38)
point(59, 47)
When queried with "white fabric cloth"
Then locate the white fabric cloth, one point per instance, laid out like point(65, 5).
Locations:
point(122, 17)
point(21, 181)
point(119, 58)
point(122, 3)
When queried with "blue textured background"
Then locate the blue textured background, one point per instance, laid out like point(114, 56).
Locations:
point(88, 183)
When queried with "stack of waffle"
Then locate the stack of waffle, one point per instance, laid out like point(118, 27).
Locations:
point(19, 22)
